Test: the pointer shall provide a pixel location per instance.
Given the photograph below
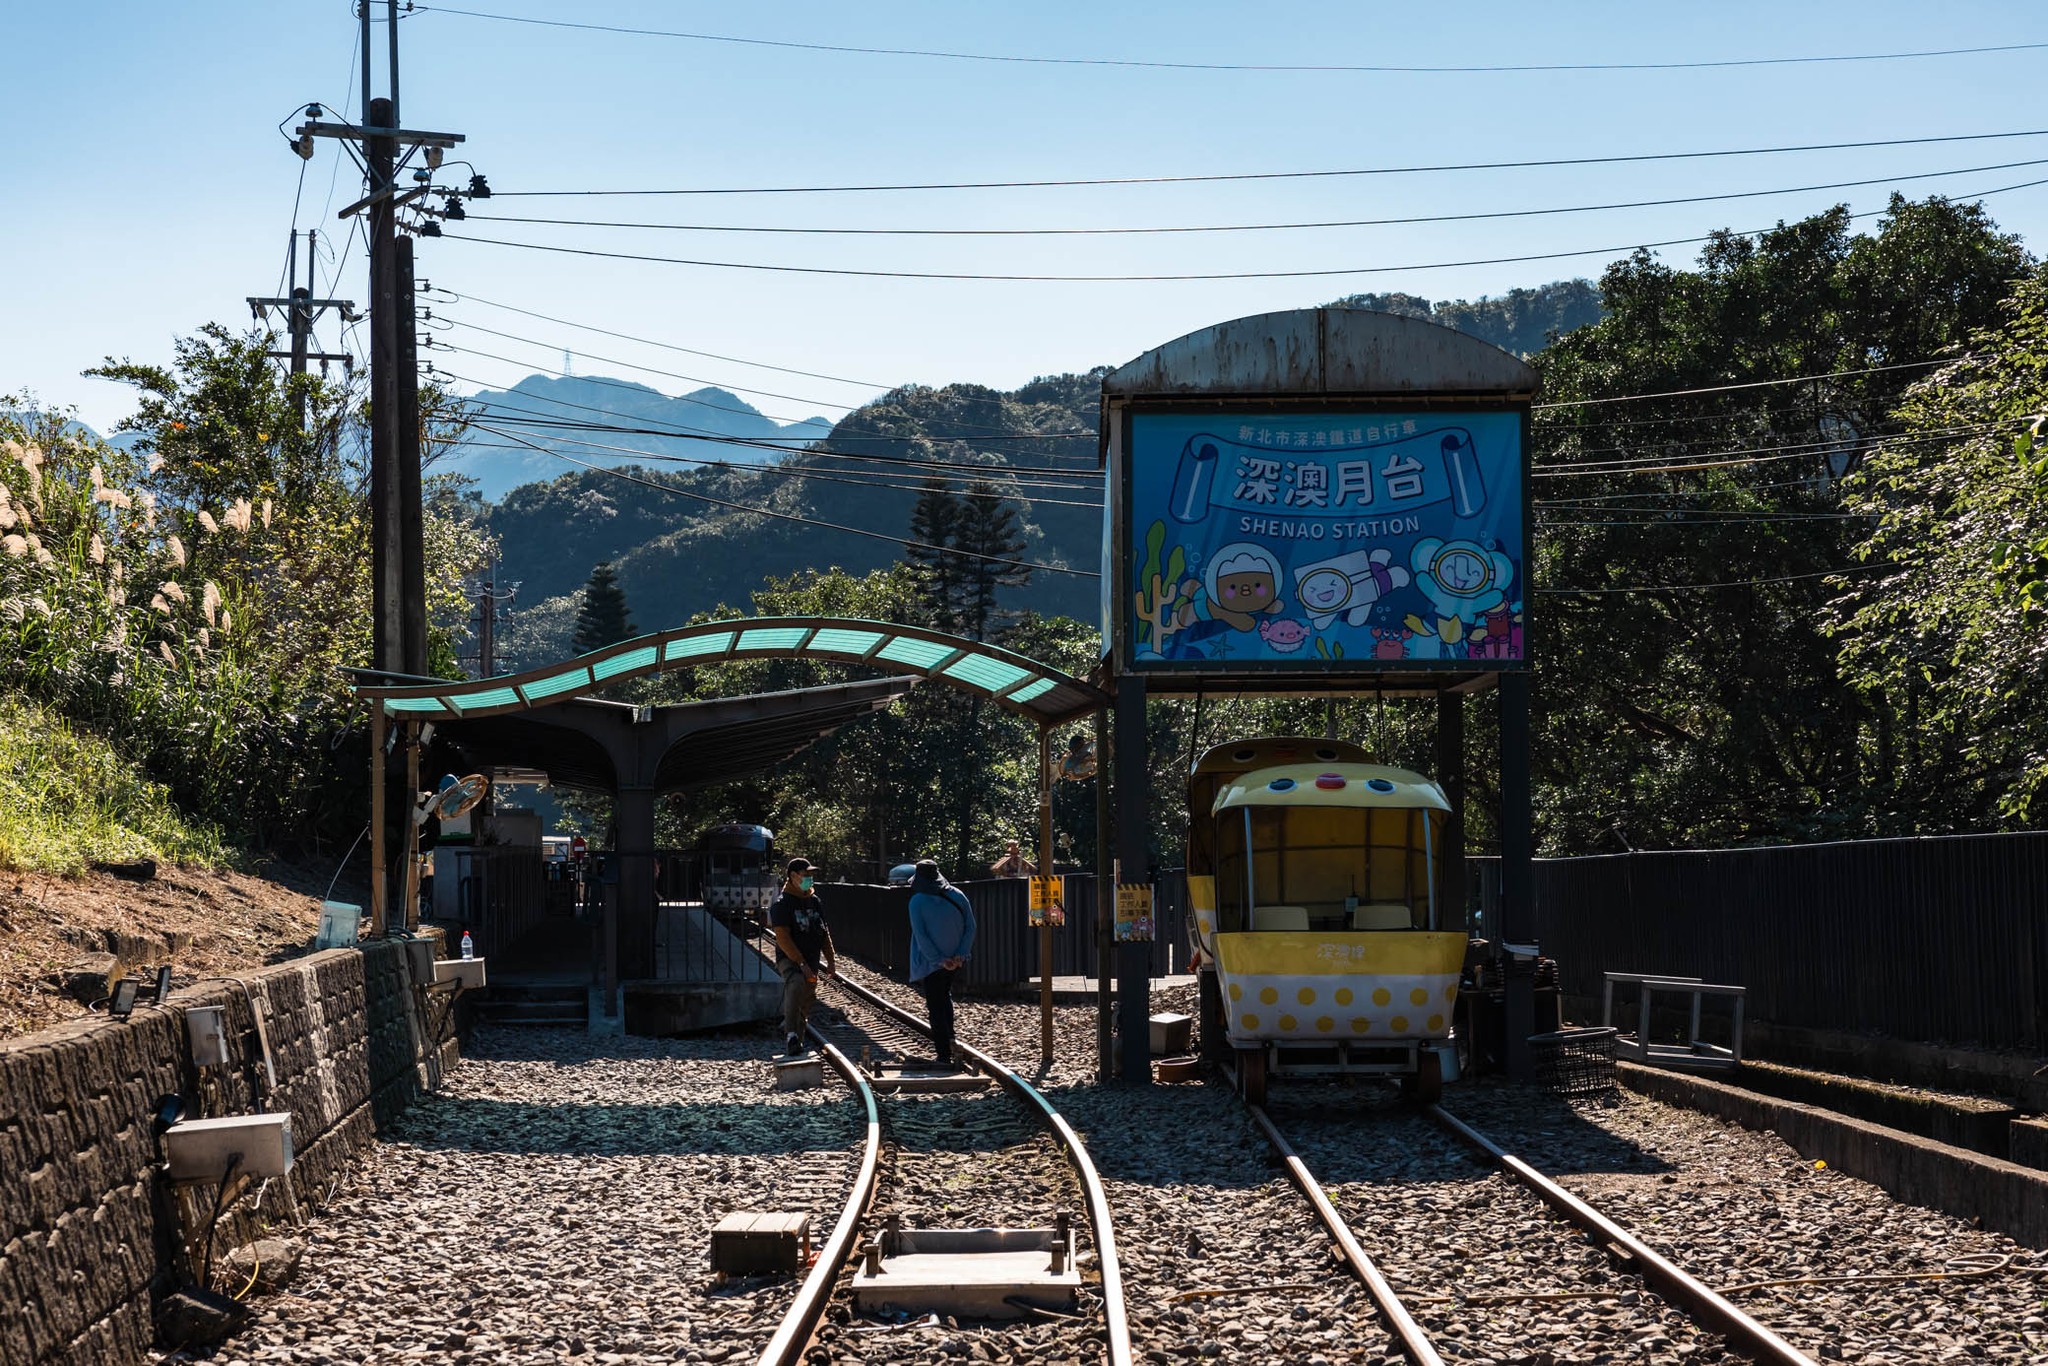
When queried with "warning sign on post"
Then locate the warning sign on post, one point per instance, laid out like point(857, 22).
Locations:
point(1134, 913)
point(1047, 906)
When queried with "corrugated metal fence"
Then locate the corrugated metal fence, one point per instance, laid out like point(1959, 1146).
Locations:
point(873, 924)
point(1942, 939)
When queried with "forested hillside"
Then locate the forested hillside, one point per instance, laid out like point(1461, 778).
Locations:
point(677, 552)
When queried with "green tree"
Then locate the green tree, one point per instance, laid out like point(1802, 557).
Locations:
point(604, 619)
point(1688, 692)
point(991, 538)
point(1944, 633)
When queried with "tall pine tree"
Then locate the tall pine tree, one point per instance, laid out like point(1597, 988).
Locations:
point(992, 535)
point(603, 619)
point(934, 526)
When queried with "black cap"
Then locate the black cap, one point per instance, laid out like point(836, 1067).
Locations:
point(798, 865)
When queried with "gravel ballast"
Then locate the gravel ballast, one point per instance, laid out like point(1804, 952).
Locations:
point(1735, 1207)
point(555, 1200)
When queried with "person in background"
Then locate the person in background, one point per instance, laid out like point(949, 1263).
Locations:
point(941, 939)
point(803, 948)
point(1012, 863)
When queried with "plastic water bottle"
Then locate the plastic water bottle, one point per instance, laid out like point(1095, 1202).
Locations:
point(468, 945)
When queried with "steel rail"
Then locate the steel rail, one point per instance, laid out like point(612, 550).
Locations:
point(1743, 1333)
point(1413, 1340)
point(1113, 1312)
point(786, 1348)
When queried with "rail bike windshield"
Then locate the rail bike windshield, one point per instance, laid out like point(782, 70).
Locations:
point(1327, 847)
point(737, 848)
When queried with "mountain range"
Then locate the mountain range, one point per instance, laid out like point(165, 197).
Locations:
point(686, 537)
point(704, 426)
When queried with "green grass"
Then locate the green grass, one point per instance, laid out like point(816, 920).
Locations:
point(67, 799)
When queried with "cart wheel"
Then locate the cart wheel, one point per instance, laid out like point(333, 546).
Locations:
point(1426, 1087)
point(1251, 1075)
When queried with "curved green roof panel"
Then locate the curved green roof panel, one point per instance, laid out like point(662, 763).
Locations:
point(1017, 682)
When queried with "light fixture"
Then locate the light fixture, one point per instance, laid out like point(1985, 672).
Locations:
point(122, 1003)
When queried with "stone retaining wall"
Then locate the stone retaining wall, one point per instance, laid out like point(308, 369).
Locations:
point(91, 1234)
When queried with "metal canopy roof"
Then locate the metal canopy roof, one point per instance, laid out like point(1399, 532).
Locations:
point(583, 742)
point(1021, 684)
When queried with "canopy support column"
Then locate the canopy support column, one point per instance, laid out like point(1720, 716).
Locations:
point(1105, 906)
point(1517, 871)
point(1133, 960)
point(1450, 775)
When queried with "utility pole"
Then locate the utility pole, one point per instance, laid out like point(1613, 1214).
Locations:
point(384, 147)
point(301, 311)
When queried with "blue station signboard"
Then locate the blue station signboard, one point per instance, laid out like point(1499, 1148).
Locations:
point(1362, 540)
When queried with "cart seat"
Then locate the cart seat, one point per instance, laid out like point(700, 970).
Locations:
point(1383, 915)
point(1280, 918)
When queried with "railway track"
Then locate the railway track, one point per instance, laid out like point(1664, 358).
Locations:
point(966, 1158)
point(1483, 1250)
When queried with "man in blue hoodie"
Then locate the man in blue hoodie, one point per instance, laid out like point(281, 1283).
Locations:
point(941, 938)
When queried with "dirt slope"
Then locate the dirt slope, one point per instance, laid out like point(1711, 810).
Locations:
point(200, 922)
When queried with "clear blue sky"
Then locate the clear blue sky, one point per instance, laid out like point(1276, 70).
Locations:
point(150, 191)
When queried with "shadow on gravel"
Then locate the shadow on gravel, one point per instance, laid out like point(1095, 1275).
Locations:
point(1567, 1135)
point(481, 1124)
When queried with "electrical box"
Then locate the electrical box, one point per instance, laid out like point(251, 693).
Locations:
point(419, 961)
point(1171, 1034)
point(201, 1149)
point(466, 972)
point(206, 1030)
point(340, 922)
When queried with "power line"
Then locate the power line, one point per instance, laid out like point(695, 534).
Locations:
point(1155, 279)
point(765, 443)
point(883, 480)
point(666, 346)
point(671, 374)
point(1752, 384)
point(1755, 455)
point(1435, 169)
point(1250, 227)
point(1150, 64)
point(1023, 475)
point(791, 517)
point(1729, 583)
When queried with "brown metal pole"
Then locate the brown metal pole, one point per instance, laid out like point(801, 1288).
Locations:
point(1105, 932)
point(410, 919)
point(379, 856)
point(1045, 871)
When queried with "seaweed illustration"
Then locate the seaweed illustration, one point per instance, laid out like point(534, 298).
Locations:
point(1327, 650)
point(1158, 594)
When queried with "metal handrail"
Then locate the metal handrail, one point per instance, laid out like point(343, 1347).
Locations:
point(1113, 1310)
point(786, 1348)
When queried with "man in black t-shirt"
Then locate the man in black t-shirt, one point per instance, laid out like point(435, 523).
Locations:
point(803, 949)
